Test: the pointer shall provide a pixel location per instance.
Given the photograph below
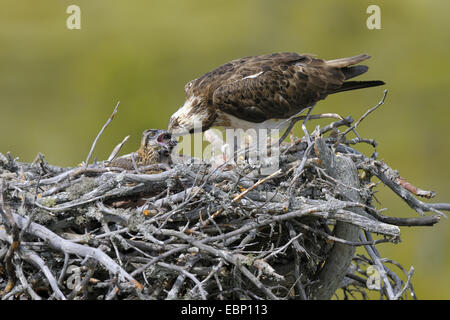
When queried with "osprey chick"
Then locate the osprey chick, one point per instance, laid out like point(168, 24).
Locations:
point(155, 147)
point(259, 91)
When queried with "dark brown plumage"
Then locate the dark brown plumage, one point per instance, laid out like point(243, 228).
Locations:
point(259, 90)
point(155, 147)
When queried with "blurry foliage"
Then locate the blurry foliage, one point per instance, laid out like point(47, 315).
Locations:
point(58, 86)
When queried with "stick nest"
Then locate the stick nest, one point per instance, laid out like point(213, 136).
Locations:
point(194, 232)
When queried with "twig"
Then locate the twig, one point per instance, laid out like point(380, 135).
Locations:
point(377, 260)
point(187, 274)
point(111, 117)
point(25, 284)
point(59, 243)
point(39, 262)
point(239, 197)
point(379, 104)
point(117, 149)
point(8, 219)
point(414, 190)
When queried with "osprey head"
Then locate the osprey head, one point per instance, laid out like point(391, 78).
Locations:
point(157, 139)
point(192, 116)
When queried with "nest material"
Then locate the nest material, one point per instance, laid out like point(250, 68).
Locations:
point(193, 232)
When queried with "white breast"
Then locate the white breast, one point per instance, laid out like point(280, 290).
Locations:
point(268, 124)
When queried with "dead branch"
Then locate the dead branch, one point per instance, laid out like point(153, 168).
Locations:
point(197, 232)
point(111, 117)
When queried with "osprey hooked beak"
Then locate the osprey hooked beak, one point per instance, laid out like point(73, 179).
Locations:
point(180, 130)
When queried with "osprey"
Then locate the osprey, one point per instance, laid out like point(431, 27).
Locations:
point(155, 147)
point(259, 91)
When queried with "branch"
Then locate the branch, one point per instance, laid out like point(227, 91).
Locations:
point(111, 117)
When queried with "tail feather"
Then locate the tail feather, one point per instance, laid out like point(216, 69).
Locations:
point(348, 68)
point(345, 62)
point(351, 72)
point(353, 85)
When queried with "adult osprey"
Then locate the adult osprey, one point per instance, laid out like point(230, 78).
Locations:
point(258, 91)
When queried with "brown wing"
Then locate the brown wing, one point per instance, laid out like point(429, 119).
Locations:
point(279, 85)
point(123, 162)
point(287, 84)
point(235, 70)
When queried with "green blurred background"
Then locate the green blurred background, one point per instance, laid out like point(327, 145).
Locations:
point(58, 86)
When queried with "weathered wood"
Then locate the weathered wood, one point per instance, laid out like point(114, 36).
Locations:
point(336, 266)
point(192, 231)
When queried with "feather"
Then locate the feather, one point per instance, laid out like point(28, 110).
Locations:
point(353, 85)
point(351, 72)
point(257, 89)
point(345, 62)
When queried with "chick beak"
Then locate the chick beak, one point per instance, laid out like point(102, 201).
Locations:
point(165, 140)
